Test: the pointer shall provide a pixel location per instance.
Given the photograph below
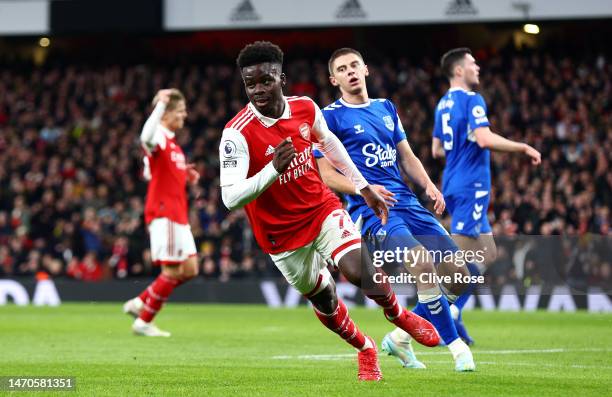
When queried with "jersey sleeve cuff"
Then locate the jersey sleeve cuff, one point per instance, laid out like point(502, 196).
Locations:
point(361, 185)
point(270, 171)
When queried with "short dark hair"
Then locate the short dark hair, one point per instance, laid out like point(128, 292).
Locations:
point(450, 59)
point(259, 52)
point(338, 53)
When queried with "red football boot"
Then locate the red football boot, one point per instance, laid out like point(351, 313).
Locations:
point(420, 329)
point(368, 364)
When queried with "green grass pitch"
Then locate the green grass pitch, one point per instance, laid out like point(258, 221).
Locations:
point(252, 351)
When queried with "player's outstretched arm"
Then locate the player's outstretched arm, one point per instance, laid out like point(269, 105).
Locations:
point(489, 140)
point(339, 183)
point(147, 136)
point(413, 167)
point(376, 203)
point(336, 153)
point(332, 178)
point(236, 189)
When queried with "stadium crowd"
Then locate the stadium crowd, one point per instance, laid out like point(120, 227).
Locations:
point(72, 191)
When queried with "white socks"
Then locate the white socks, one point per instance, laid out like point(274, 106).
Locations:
point(457, 347)
point(429, 295)
point(367, 345)
point(398, 335)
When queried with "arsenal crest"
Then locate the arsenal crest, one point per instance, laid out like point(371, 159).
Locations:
point(305, 131)
point(389, 123)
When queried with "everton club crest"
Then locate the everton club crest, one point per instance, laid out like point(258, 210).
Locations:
point(389, 123)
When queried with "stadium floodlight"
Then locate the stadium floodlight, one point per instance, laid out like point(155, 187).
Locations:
point(531, 28)
point(44, 42)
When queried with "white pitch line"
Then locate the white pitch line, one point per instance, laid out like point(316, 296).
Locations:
point(323, 357)
point(523, 364)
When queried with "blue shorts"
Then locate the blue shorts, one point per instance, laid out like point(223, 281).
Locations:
point(409, 227)
point(469, 212)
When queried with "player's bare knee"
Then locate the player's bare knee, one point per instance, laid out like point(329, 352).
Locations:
point(189, 273)
point(325, 301)
point(419, 261)
point(457, 288)
point(463, 270)
point(421, 266)
point(490, 254)
point(189, 269)
point(172, 271)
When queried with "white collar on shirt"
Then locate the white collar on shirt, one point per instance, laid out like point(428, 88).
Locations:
point(351, 105)
point(456, 89)
point(269, 121)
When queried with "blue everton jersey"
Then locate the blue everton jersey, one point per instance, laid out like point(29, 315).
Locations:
point(370, 133)
point(458, 114)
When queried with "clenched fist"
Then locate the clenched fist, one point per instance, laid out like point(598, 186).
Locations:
point(284, 153)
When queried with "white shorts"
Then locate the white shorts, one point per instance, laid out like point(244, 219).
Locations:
point(171, 243)
point(305, 268)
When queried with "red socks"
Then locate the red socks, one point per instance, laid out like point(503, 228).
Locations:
point(155, 295)
point(386, 299)
point(340, 322)
point(144, 294)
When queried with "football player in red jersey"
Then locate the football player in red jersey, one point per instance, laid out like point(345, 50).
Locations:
point(172, 244)
point(267, 168)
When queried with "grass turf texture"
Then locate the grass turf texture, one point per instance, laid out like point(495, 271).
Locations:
point(234, 350)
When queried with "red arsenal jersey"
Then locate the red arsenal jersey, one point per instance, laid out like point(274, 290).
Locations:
point(166, 194)
point(289, 213)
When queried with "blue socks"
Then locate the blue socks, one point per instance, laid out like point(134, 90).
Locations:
point(421, 310)
point(434, 307)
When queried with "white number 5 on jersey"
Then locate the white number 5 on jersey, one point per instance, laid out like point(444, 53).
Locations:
point(447, 130)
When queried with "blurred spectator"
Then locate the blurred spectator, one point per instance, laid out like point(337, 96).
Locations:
point(88, 269)
point(72, 191)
